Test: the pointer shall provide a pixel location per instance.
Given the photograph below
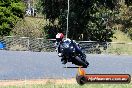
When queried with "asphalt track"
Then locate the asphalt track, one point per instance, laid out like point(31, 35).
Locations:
point(38, 65)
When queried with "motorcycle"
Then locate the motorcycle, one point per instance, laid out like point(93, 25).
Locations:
point(69, 53)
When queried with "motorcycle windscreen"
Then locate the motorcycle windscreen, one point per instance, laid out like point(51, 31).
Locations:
point(67, 47)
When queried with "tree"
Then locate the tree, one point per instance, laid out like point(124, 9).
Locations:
point(128, 2)
point(85, 17)
point(10, 11)
point(38, 6)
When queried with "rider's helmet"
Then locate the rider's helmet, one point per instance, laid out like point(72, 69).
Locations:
point(59, 37)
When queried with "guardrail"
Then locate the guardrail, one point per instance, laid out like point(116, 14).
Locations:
point(47, 45)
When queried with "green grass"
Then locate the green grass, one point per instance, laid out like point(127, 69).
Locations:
point(125, 48)
point(119, 36)
point(52, 85)
point(120, 49)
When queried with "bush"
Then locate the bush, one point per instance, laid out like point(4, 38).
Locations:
point(10, 11)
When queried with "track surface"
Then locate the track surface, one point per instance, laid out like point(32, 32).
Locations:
point(38, 65)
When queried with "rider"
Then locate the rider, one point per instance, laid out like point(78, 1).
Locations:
point(59, 41)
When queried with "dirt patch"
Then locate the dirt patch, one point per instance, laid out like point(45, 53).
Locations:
point(36, 81)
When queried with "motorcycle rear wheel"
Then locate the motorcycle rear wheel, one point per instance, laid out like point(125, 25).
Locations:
point(80, 62)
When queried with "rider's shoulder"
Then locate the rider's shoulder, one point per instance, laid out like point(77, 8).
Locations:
point(66, 39)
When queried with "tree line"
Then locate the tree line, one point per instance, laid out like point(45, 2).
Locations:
point(88, 19)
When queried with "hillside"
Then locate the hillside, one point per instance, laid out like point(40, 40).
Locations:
point(29, 27)
point(119, 36)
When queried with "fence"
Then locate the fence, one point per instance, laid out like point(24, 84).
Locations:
point(47, 45)
point(106, 47)
point(28, 44)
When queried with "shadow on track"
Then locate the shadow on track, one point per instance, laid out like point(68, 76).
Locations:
point(72, 67)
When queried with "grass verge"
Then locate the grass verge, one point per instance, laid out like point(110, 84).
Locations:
point(52, 85)
point(61, 83)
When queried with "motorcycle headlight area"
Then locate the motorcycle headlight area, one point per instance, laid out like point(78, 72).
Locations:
point(66, 46)
point(72, 48)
